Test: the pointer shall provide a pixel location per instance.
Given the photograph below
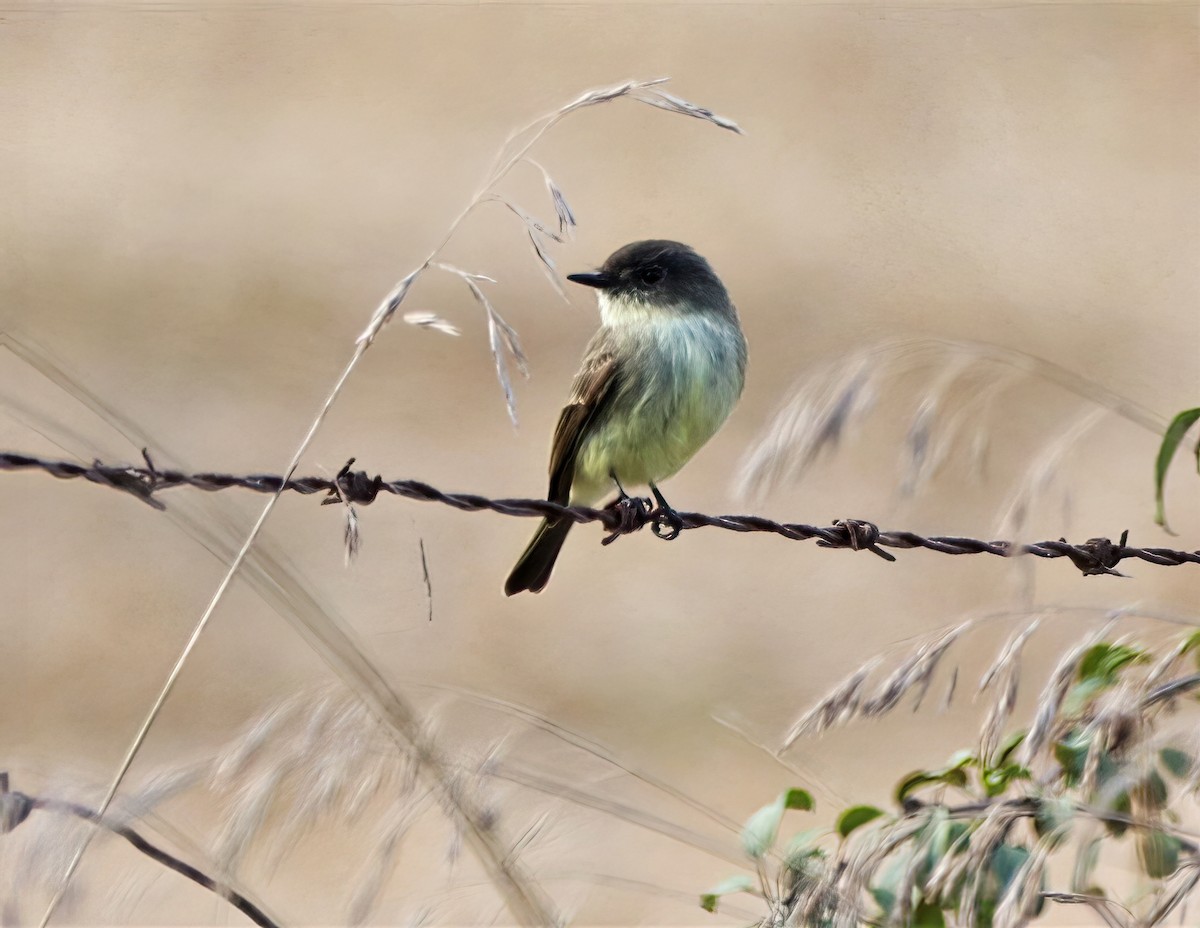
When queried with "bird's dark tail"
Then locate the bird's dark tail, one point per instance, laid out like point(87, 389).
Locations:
point(533, 569)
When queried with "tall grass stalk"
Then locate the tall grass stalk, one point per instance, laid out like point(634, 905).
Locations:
point(525, 902)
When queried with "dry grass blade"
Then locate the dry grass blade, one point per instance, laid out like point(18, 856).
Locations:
point(1105, 908)
point(816, 417)
point(495, 340)
point(562, 209)
point(236, 760)
point(838, 707)
point(916, 671)
point(465, 275)
point(431, 321)
point(836, 396)
point(648, 821)
point(501, 337)
point(597, 750)
point(530, 223)
point(1007, 670)
point(960, 395)
point(972, 865)
point(1000, 712)
point(1053, 694)
point(1116, 720)
point(157, 790)
point(1041, 474)
point(1011, 654)
point(387, 308)
point(549, 267)
point(605, 94)
point(1177, 891)
point(951, 688)
point(674, 104)
point(425, 577)
point(902, 913)
point(383, 862)
point(536, 230)
point(1018, 906)
point(1167, 664)
point(862, 858)
point(520, 141)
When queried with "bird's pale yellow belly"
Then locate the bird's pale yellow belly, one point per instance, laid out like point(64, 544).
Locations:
point(681, 386)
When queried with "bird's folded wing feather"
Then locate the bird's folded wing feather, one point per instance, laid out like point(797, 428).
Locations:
point(593, 387)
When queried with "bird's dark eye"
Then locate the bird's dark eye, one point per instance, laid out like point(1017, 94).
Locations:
point(651, 275)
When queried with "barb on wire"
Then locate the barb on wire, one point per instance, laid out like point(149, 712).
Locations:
point(1093, 557)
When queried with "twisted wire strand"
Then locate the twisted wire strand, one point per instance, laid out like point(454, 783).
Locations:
point(1093, 557)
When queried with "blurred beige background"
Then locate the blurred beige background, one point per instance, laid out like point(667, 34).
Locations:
point(204, 203)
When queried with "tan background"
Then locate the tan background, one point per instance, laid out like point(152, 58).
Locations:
point(204, 202)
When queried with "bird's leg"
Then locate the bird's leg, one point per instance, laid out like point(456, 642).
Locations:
point(632, 511)
point(666, 522)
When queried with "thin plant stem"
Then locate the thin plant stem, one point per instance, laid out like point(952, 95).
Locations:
point(524, 902)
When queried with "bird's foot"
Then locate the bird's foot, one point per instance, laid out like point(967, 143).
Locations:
point(632, 513)
point(665, 522)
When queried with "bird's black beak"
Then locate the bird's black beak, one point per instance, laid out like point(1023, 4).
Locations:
point(599, 280)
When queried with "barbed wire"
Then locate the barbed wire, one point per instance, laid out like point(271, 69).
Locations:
point(1096, 556)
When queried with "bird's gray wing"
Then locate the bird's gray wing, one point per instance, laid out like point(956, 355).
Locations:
point(593, 387)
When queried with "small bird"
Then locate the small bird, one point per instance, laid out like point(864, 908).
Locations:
point(656, 382)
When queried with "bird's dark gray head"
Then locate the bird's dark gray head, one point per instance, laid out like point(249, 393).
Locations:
point(660, 273)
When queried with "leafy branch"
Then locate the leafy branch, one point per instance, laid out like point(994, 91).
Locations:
point(972, 842)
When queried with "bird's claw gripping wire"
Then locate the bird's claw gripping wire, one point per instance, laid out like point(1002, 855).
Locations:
point(665, 522)
point(632, 513)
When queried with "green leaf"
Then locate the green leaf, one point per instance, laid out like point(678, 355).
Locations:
point(798, 799)
point(802, 854)
point(1152, 791)
point(1003, 866)
point(955, 837)
point(953, 774)
point(855, 817)
point(960, 759)
point(1007, 860)
point(1178, 763)
point(996, 779)
point(1071, 753)
point(885, 898)
point(1158, 853)
point(1122, 805)
point(1104, 661)
point(1099, 669)
point(927, 915)
point(762, 828)
point(1166, 451)
point(1053, 816)
point(734, 884)
point(1006, 748)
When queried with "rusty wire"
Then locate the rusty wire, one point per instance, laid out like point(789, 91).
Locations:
point(1093, 557)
